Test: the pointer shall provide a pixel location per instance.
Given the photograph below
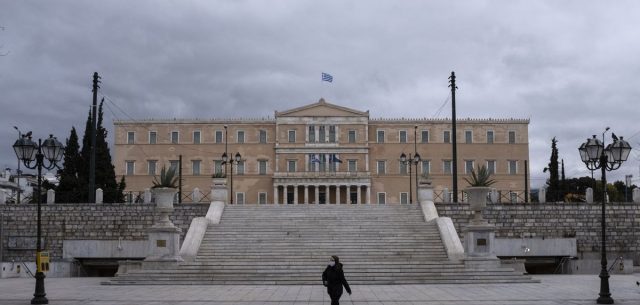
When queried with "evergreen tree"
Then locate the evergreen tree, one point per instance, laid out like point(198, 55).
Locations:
point(105, 172)
point(563, 182)
point(69, 186)
point(553, 184)
point(120, 194)
point(83, 162)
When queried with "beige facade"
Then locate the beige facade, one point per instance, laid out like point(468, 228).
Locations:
point(322, 153)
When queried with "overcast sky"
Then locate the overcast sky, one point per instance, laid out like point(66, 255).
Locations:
point(572, 67)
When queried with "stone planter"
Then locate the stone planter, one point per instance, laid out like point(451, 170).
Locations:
point(477, 202)
point(164, 197)
point(164, 204)
point(219, 190)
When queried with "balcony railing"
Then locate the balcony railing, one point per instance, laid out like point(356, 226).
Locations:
point(325, 174)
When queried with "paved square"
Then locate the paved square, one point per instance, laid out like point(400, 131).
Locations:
point(553, 289)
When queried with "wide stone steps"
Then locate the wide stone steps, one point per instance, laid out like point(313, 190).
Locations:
point(291, 245)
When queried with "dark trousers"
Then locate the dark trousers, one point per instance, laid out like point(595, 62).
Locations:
point(335, 301)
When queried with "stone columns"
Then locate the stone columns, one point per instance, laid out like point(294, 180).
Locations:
point(3, 197)
point(275, 194)
point(286, 194)
point(338, 194)
point(306, 194)
point(636, 195)
point(358, 194)
point(295, 194)
point(317, 186)
point(368, 194)
point(445, 195)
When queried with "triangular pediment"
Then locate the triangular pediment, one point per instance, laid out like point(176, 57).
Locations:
point(321, 109)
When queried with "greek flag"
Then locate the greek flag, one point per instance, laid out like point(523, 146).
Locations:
point(327, 77)
point(334, 158)
point(314, 158)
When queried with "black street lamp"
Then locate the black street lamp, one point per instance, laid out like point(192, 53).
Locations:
point(28, 151)
point(595, 156)
point(415, 152)
point(409, 162)
point(237, 158)
point(225, 147)
point(18, 171)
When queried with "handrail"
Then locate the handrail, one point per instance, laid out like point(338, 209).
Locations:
point(563, 261)
point(28, 270)
point(619, 258)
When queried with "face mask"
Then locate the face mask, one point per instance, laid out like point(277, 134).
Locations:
point(332, 263)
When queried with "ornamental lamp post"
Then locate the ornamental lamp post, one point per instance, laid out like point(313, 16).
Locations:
point(595, 156)
point(409, 162)
point(28, 151)
point(237, 158)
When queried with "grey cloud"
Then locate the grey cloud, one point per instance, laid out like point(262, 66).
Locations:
point(569, 66)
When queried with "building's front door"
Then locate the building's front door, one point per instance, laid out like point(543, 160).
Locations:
point(323, 197)
point(353, 197)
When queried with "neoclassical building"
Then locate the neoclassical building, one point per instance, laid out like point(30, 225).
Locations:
point(322, 153)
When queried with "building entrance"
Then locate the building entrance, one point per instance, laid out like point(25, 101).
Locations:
point(353, 197)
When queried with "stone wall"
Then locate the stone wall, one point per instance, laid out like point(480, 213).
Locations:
point(129, 222)
point(549, 220)
point(82, 221)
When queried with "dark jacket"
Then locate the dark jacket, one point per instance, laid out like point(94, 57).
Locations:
point(333, 277)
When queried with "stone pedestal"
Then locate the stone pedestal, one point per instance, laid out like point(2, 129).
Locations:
point(147, 195)
point(99, 196)
point(493, 195)
point(636, 195)
point(196, 195)
point(589, 195)
point(51, 196)
point(542, 195)
point(479, 246)
point(163, 248)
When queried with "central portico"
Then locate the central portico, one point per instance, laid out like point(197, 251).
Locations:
point(331, 164)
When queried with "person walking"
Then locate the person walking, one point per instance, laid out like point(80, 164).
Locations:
point(333, 279)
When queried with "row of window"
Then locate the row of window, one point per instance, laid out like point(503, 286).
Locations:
point(321, 136)
point(446, 136)
point(322, 164)
point(196, 137)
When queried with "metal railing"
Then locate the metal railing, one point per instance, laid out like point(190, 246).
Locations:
point(503, 196)
point(322, 174)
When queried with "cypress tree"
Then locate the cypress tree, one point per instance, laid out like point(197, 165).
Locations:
point(563, 182)
point(105, 172)
point(83, 163)
point(121, 186)
point(554, 181)
point(69, 186)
